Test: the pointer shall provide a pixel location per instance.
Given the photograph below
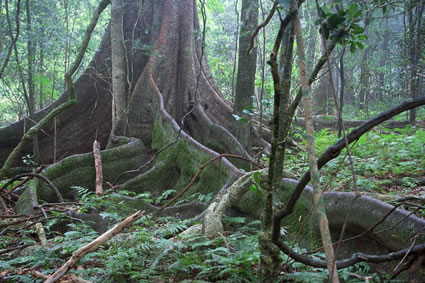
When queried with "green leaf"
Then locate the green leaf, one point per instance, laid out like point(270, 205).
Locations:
point(239, 118)
point(359, 45)
point(352, 10)
point(253, 188)
point(256, 177)
point(352, 47)
point(325, 30)
point(357, 29)
point(248, 112)
point(335, 20)
point(358, 13)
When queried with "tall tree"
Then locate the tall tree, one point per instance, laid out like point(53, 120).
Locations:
point(245, 81)
point(1, 26)
point(323, 102)
point(415, 43)
point(119, 95)
point(31, 48)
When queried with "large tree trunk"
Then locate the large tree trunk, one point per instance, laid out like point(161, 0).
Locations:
point(165, 66)
point(170, 86)
point(245, 82)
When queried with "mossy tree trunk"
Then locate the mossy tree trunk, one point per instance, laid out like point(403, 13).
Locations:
point(174, 104)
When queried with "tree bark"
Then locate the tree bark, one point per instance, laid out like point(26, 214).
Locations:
point(318, 201)
point(245, 81)
point(415, 45)
point(119, 95)
point(364, 79)
point(31, 87)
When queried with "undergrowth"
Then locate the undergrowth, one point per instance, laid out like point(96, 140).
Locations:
point(384, 162)
point(151, 251)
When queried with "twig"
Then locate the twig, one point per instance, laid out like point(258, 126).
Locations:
point(262, 25)
point(41, 177)
point(4, 251)
point(22, 182)
point(226, 243)
point(405, 256)
point(365, 278)
point(92, 246)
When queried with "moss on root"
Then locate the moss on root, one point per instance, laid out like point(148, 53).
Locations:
point(78, 170)
point(173, 168)
point(253, 203)
point(182, 160)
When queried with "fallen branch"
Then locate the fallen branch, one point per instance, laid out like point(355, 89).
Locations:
point(69, 278)
point(5, 251)
point(20, 183)
point(92, 246)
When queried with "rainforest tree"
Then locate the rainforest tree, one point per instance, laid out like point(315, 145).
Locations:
point(149, 91)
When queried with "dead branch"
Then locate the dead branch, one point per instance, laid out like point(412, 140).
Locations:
point(98, 167)
point(5, 251)
point(92, 246)
point(34, 175)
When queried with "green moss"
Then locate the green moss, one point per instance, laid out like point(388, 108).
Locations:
point(185, 158)
point(23, 205)
point(78, 170)
point(253, 204)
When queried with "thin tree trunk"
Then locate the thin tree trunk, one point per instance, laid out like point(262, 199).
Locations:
point(235, 63)
point(415, 43)
point(363, 78)
point(341, 94)
point(314, 171)
point(66, 59)
point(263, 73)
point(31, 88)
point(1, 26)
point(41, 98)
point(119, 97)
point(13, 39)
point(383, 61)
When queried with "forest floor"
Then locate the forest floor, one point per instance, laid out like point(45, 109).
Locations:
point(388, 164)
